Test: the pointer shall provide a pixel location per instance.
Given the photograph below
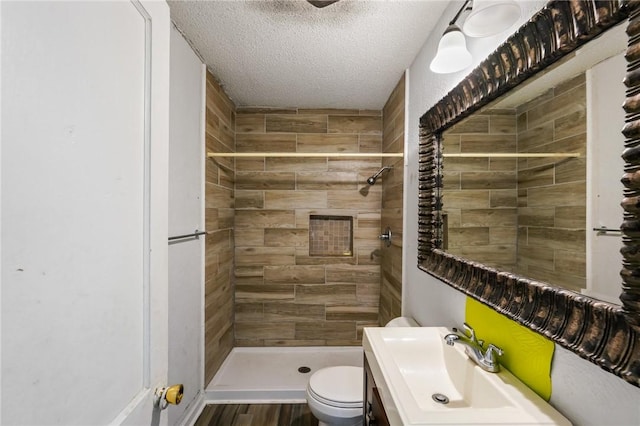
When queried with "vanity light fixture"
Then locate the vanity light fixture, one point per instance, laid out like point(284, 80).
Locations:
point(452, 55)
point(487, 17)
point(490, 17)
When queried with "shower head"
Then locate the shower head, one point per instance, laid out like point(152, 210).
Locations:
point(372, 179)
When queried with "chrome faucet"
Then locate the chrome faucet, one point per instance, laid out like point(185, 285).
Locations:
point(473, 347)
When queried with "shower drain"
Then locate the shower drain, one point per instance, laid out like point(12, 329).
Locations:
point(303, 369)
point(440, 398)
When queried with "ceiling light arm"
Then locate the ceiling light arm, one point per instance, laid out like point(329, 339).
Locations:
point(462, 9)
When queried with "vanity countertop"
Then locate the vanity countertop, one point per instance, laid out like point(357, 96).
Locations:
point(423, 381)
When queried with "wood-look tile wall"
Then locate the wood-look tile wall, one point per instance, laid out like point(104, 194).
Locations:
point(219, 218)
point(283, 296)
point(480, 196)
point(392, 194)
point(551, 191)
point(526, 215)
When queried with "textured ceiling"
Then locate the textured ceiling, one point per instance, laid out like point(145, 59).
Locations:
point(288, 53)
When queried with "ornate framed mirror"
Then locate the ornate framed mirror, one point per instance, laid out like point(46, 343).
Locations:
point(603, 333)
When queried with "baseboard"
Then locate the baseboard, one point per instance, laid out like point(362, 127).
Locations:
point(194, 410)
point(239, 396)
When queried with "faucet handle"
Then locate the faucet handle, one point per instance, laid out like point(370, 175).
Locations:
point(492, 351)
point(471, 333)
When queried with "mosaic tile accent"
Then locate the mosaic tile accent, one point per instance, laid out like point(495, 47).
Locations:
point(330, 235)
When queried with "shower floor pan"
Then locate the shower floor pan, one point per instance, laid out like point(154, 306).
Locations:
point(270, 374)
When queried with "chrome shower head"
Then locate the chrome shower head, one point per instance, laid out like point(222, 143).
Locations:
point(372, 179)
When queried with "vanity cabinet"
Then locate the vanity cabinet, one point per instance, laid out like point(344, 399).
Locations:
point(373, 410)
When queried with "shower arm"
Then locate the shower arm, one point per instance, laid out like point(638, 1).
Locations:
point(372, 179)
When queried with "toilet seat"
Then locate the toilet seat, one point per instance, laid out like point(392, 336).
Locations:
point(333, 403)
point(339, 387)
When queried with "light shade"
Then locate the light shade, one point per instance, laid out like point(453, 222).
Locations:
point(452, 52)
point(490, 17)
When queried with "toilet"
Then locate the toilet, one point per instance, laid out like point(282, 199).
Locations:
point(334, 394)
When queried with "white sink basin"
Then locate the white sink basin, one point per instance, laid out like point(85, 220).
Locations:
point(412, 364)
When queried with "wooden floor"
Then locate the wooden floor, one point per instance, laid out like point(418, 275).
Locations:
point(256, 415)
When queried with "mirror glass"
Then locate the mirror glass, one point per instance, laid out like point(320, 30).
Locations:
point(527, 189)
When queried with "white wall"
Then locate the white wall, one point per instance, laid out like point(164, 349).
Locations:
point(186, 214)
point(582, 391)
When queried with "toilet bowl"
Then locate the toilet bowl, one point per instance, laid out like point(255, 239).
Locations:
point(334, 394)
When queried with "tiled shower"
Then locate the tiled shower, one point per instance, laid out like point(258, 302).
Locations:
point(293, 256)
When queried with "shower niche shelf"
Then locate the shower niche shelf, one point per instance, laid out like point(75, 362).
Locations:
point(330, 236)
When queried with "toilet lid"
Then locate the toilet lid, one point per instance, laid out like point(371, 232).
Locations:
point(338, 386)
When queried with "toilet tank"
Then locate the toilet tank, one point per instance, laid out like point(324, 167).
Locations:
point(402, 322)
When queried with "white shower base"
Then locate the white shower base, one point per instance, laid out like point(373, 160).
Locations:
point(270, 374)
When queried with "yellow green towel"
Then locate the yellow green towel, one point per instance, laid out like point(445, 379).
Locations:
point(527, 354)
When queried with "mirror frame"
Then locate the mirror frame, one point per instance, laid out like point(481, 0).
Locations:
point(605, 334)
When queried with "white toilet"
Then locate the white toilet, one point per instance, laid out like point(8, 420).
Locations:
point(334, 394)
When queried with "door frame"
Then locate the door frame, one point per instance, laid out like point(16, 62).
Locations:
point(141, 409)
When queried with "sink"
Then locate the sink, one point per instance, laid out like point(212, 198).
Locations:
point(414, 369)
